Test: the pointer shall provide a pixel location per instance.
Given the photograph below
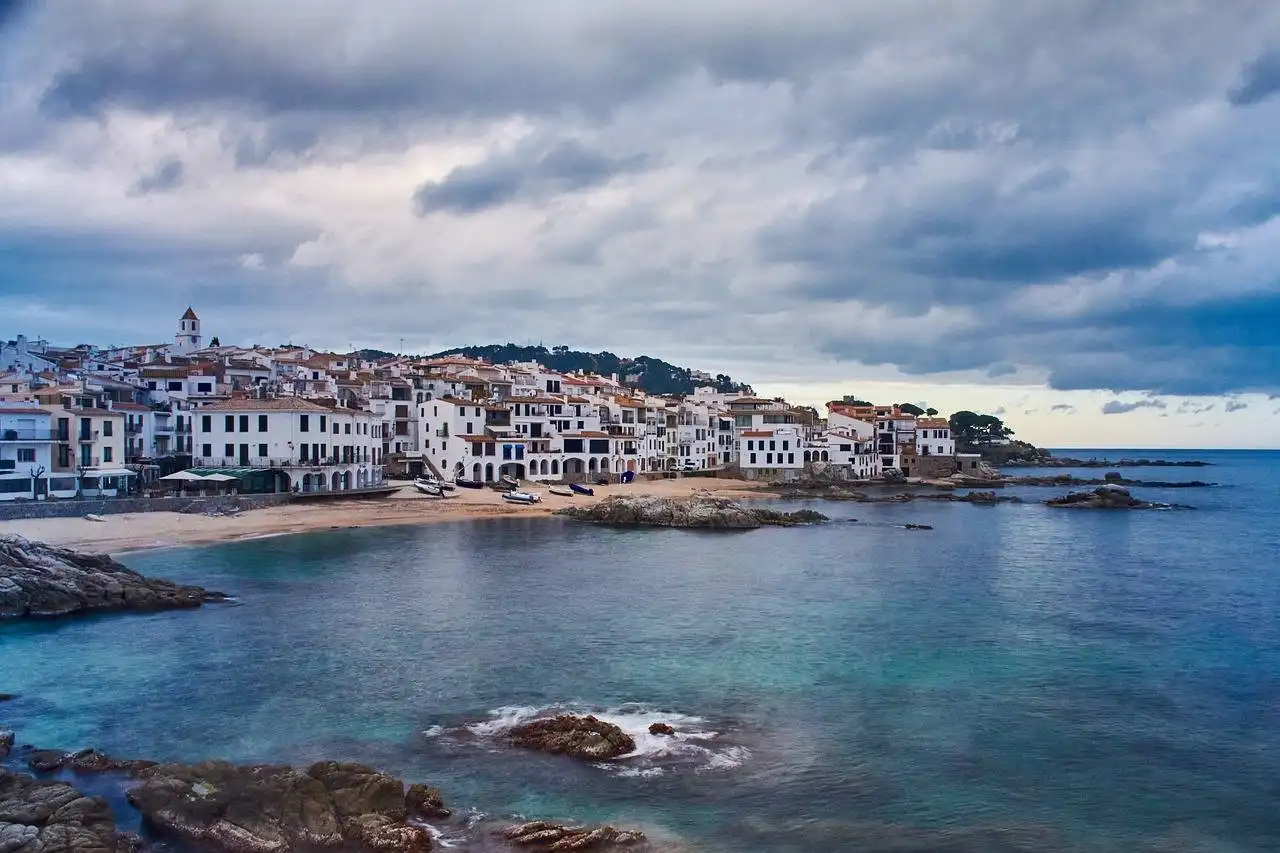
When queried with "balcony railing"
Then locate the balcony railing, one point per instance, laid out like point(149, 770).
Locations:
point(266, 462)
point(29, 435)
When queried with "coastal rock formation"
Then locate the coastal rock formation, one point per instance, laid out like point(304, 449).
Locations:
point(661, 729)
point(53, 817)
point(699, 511)
point(83, 761)
point(579, 737)
point(425, 801)
point(272, 809)
point(1068, 462)
point(1104, 497)
point(542, 835)
point(40, 580)
point(1109, 479)
point(6, 742)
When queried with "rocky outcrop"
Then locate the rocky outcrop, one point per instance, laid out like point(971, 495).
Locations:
point(53, 817)
point(1108, 479)
point(40, 580)
point(541, 835)
point(272, 809)
point(1106, 497)
point(1068, 462)
point(6, 742)
point(701, 511)
point(425, 801)
point(661, 729)
point(83, 761)
point(580, 737)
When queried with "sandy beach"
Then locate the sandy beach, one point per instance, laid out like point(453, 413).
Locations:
point(140, 531)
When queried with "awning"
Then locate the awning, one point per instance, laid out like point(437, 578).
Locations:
point(221, 478)
point(233, 473)
point(182, 475)
point(110, 472)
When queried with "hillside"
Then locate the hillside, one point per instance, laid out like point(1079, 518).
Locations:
point(652, 374)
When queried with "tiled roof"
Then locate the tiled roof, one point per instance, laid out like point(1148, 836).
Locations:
point(279, 404)
point(19, 410)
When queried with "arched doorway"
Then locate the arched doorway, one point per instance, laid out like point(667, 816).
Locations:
point(488, 472)
point(555, 467)
point(335, 482)
point(806, 456)
point(346, 480)
point(458, 470)
point(591, 465)
point(475, 471)
point(631, 464)
point(572, 467)
point(604, 464)
point(824, 456)
point(545, 469)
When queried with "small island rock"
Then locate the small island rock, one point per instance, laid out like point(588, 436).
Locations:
point(661, 729)
point(700, 511)
point(551, 837)
point(40, 580)
point(1104, 497)
point(579, 737)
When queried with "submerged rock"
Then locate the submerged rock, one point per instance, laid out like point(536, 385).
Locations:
point(52, 817)
point(544, 835)
point(40, 580)
point(273, 808)
point(699, 511)
point(1105, 497)
point(661, 729)
point(579, 737)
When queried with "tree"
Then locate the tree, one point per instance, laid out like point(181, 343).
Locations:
point(931, 412)
point(215, 342)
point(972, 430)
point(852, 400)
point(36, 471)
point(910, 409)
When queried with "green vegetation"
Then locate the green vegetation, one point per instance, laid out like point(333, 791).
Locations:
point(651, 374)
point(974, 432)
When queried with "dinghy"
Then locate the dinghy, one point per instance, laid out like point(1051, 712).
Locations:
point(562, 491)
point(469, 484)
point(428, 488)
point(509, 481)
point(522, 497)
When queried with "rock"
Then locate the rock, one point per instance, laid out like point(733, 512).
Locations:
point(1105, 497)
point(700, 511)
point(53, 817)
point(579, 737)
point(41, 580)
point(425, 801)
point(661, 729)
point(1113, 475)
point(269, 808)
point(542, 835)
point(84, 761)
point(6, 743)
point(7, 697)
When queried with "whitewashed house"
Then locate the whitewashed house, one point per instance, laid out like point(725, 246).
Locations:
point(773, 453)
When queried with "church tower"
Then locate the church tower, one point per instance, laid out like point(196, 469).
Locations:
point(188, 338)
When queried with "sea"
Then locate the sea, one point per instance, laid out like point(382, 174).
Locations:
point(1017, 678)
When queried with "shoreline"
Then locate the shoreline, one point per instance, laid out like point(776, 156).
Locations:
point(132, 532)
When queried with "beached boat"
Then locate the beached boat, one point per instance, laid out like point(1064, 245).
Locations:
point(442, 485)
point(522, 497)
point(501, 486)
point(510, 481)
point(428, 488)
point(562, 491)
point(582, 490)
point(468, 484)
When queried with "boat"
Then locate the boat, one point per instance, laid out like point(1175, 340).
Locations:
point(562, 491)
point(448, 494)
point(501, 486)
point(468, 484)
point(581, 490)
point(428, 488)
point(522, 497)
point(510, 481)
point(442, 485)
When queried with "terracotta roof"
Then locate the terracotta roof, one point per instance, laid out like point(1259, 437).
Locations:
point(591, 434)
point(130, 407)
point(189, 314)
point(278, 404)
point(934, 423)
point(756, 433)
point(19, 410)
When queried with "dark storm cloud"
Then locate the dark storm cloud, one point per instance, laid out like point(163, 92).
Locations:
point(531, 172)
point(1259, 80)
point(167, 176)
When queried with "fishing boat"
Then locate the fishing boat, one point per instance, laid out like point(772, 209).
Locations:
point(428, 488)
point(562, 491)
point(443, 485)
point(581, 490)
point(468, 484)
point(522, 497)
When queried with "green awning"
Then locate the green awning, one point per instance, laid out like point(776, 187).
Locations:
point(238, 473)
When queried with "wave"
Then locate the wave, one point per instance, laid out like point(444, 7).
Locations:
point(695, 746)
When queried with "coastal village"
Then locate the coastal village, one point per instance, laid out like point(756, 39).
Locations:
point(94, 421)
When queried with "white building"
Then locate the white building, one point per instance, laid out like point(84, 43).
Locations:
point(774, 453)
point(188, 339)
point(289, 444)
point(23, 356)
point(27, 439)
point(933, 437)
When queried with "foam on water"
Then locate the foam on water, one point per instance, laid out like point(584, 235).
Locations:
point(694, 745)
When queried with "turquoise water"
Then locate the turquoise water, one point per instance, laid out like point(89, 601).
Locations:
point(1085, 681)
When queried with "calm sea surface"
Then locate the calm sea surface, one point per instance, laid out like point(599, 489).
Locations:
point(1018, 678)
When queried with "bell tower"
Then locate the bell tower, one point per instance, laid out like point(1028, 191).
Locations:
point(187, 340)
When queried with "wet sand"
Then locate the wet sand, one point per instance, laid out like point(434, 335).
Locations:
point(140, 531)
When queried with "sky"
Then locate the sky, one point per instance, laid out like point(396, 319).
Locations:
point(1066, 213)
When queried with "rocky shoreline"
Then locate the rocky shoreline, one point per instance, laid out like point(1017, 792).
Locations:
point(1107, 497)
point(261, 808)
point(704, 512)
point(39, 580)
point(1124, 462)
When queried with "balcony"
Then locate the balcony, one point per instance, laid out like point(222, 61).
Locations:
point(162, 427)
point(87, 436)
point(9, 435)
point(134, 428)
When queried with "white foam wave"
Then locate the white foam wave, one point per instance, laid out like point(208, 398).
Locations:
point(693, 744)
point(433, 731)
point(438, 836)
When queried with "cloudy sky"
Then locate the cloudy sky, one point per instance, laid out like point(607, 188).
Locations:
point(1068, 211)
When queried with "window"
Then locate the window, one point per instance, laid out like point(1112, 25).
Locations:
point(768, 458)
point(26, 454)
point(206, 450)
point(229, 450)
point(322, 419)
point(107, 427)
point(262, 424)
point(753, 459)
point(244, 423)
point(304, 424)
point(302, 456)
point(751, 445)
point(229, 423)
point(262, 450)
point(174, 386)
point(106, 454)
point(582, 424)
point(791, 458)
point(206, 424)
point(204, 387)
point(151, 385)
point(324, 449)
point(348, 429)
point(784, 445)
point(470, 428)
